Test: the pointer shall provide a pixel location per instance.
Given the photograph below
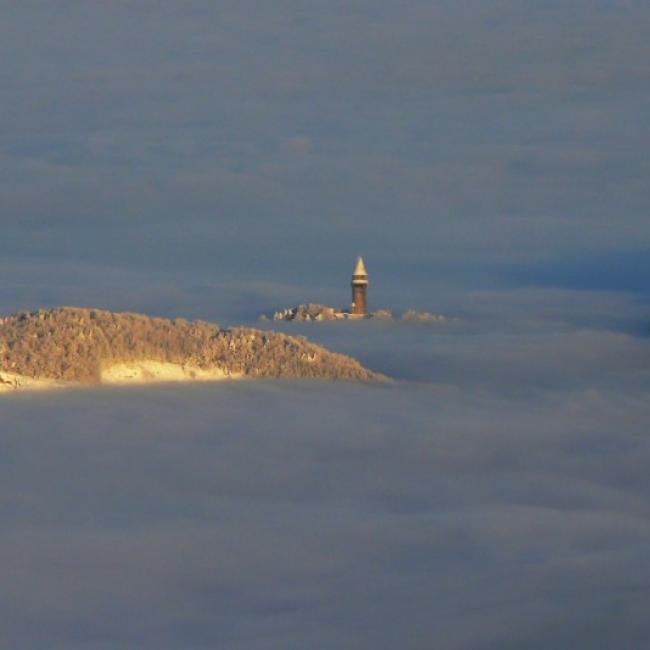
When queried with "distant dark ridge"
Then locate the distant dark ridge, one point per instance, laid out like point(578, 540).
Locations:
point(72, 344)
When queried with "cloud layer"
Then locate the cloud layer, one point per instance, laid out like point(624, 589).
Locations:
point(494, 497)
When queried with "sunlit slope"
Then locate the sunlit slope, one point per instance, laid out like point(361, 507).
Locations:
point(97, 346)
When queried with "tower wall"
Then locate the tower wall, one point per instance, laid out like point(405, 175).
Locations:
point(359, 289)
point(359, 299)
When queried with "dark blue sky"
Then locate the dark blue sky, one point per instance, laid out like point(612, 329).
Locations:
point(196, 144)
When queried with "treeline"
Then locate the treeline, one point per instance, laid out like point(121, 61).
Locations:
point(73, 344)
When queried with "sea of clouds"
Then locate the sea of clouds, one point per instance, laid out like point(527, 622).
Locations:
point(219, 160)
point(494, 496)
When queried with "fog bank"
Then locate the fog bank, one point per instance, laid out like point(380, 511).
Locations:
point(495, 497)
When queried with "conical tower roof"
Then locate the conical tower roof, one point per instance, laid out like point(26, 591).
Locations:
point(360, 268)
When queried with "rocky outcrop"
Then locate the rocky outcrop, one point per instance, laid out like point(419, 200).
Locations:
point(317, 312)
point(308, 311)
point(415, 316)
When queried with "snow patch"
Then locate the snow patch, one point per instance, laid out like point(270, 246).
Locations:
point(148, 371)
point(10, 381)
point(137, 372)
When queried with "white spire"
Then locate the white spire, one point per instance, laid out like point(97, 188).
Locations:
point(360, 268)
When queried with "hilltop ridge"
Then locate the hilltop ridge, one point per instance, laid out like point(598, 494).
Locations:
point(70, 345)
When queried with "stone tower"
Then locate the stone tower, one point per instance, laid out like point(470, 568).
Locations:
point(359, 289)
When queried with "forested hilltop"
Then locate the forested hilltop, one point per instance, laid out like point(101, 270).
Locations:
point(75, 345)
